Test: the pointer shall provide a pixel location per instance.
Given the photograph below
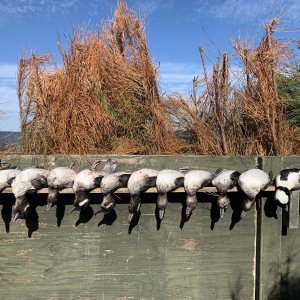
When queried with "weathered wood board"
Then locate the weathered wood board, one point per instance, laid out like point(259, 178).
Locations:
point(72, 257)
point(134, 162)
point(92, 261)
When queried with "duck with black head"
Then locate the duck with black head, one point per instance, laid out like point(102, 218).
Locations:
point(109, 184)
point(286, 181)
point(167, 181)
point(27, 181)
point(139, 182)
point(193, 181)
point(59, 178)
point(87, 180)
point(252, 182)
point(224, 181)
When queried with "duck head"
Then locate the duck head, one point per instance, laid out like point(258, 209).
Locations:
point(20, 209)
point(107, 205)
point(82, 201)
point(191, 203)
point(162, 201)
point(246, 206)
point(134, 206)
point(52, 197)
point(282, 196)
point(223, 202)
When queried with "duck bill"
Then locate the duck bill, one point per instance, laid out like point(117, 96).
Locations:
point(48, 207)
point(222, 212)
point(243, 214)
point(16, 217)
point(98, 211)
point(73, 209)
point(161, 214)
point(188, 212)
point(130, 217)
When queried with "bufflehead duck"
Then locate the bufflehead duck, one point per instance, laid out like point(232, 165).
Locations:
point(139, 182)
point(224, 181)
point(167, 181)
point(193, 181)
point(87, 180)
point(59, 178)
point(109, 184)
point(251, 183)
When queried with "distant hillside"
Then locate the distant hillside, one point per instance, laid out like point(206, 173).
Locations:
point(9, 138)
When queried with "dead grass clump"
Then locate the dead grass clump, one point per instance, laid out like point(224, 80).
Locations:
point(263, 110)
point(192, 117)
point(59, 114)
point(241, 115)
point(211, 116)
point(104, 93)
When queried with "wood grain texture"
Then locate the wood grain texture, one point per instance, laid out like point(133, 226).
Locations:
point(268, 241)
point(82, 256)
point(134, 162)
point(294, 210)
point(89, 261)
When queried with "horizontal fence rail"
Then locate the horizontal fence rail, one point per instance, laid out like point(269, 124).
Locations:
point(207, 189)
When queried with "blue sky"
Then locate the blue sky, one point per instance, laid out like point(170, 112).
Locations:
point(175, 29)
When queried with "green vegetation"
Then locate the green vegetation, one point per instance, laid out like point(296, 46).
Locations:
point(289, 91)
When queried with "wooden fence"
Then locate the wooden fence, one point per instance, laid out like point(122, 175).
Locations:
point(82, 256)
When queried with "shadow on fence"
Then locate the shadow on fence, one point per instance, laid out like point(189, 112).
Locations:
point(288, 287)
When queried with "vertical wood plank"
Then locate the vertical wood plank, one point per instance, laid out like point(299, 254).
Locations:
point(294, 210)
point(268, 240)
point(268, 252)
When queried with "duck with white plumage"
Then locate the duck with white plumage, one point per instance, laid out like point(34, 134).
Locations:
point(87, 180)
point(252, 182)
point(59, 178)
point(140, 181)
point(7, 176)
point(224, 181)
point(193, 181)
point(286, 181)
point(109, 184)
point(27, 181)
point(167, 181)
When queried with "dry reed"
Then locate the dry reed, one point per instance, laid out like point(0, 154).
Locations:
point(103, 99)
point(244, 116)
point(263, 110)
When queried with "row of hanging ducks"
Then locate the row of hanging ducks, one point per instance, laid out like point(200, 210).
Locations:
point(250, 182)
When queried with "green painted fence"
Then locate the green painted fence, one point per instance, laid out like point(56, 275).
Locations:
point(81, 256)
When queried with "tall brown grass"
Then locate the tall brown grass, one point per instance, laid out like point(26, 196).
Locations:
point(263, 110)
point(104, 97)
point(242, 115)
